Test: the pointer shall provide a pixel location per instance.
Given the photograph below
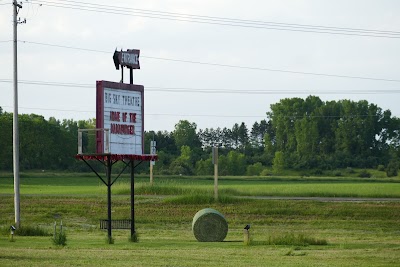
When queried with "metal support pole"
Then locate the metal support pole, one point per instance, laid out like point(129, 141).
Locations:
point(15, 120)
point(109, 165)
point(132, 198)
point(131, 75)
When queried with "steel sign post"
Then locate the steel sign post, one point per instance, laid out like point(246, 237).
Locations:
point(152, 163)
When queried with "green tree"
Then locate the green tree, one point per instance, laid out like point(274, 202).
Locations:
point(236, 163)
point(243, 136)
point(183, 164)
point(278, 163)
point(307, 139)
point(258, 131)
point(254, 169)
point(313, 133)
point(185, 134)
point(204, 167)
point(6, 143)
point(392, 168)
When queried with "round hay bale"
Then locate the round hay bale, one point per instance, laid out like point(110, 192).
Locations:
point(209, 226)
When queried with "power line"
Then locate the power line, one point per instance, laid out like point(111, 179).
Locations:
point(211, 115)
point(149, 114)
point(212, 90)
point(64, 46)
point(52, 109)
point(277, 70)
point(227, 65)
point(153, 14)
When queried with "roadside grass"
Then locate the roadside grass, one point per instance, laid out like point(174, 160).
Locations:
point(184, 252)
point(205, 198)
point(322, 233)
point(280, 230)
point(88, 184)
point(165, 211)
point(260, 187)
point(26, 230)
point(318, 189)
point(294, 239)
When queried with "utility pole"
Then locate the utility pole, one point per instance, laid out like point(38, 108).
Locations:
point(16, 8)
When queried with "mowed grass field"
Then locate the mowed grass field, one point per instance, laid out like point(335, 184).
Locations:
point(356, 233)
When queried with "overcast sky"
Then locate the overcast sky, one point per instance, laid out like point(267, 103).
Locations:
point(166, 44)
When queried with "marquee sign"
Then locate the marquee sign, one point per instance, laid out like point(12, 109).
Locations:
point(119, 108)
point(128, 58)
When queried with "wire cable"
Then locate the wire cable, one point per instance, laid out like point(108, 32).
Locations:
point(214, 90)
point(226, 65)
point(147, 114)
point(83, 6)
point(214, 115)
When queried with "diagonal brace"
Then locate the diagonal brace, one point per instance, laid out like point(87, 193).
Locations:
point(104, 182)
point(126, 165)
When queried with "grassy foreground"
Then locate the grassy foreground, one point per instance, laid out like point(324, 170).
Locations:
point(357, 234)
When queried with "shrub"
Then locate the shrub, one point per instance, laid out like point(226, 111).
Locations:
point(31, 231)
point(381, 168)
point(134, 238)
point(318, 172)
point(266, 172)
point(255, 169)
point(337, 173)
point(364, 174)
point(392, 168)
point(60, 239)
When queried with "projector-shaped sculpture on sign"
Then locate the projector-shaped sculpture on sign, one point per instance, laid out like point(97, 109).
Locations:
point(129, 59)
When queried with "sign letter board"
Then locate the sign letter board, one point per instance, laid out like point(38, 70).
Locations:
point(120, 108)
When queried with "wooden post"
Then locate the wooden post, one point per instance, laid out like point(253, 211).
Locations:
point(151, 173)
point(215, 162)
point(246, 237)
point(152, 152)
point(216, 182)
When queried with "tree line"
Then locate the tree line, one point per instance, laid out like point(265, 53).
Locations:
point(299, 134)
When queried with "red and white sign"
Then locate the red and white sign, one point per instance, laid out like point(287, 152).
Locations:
point(119, 108)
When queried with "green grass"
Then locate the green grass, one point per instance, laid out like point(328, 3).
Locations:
point(89, 184)
point(292, 239)
point(318, 189)
point(283, 232)
point(353, 232)
point(26, 230)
